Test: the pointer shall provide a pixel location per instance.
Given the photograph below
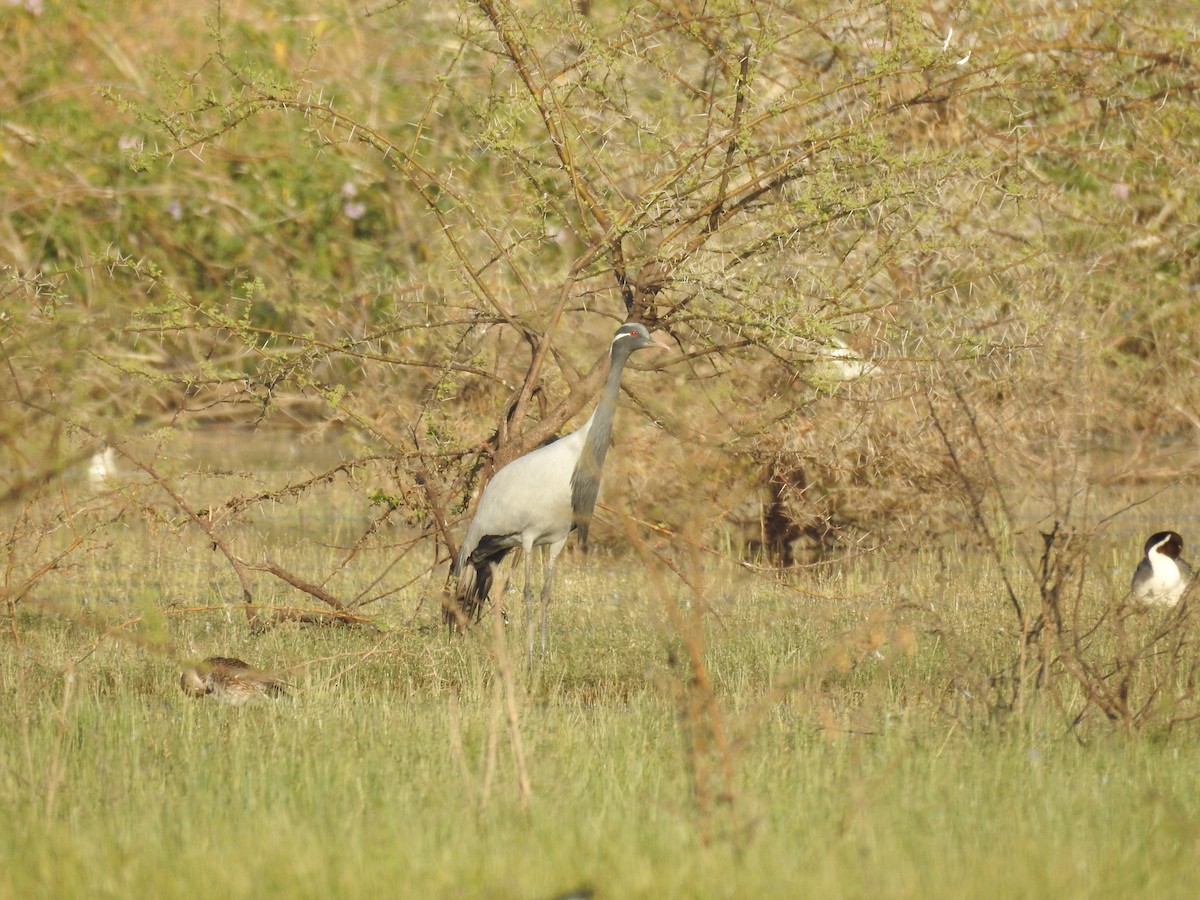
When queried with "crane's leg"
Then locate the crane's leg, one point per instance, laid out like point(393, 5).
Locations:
point(527, 553)
point(552, 552)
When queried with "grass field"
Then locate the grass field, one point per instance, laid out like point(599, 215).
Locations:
point(852, 750)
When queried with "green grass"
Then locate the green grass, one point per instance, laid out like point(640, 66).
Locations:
point(863, 779)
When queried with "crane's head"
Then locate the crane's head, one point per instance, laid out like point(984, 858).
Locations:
point(634, 336)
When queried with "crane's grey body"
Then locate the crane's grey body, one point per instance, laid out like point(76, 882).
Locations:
point(538, 499)
point(1161, 577)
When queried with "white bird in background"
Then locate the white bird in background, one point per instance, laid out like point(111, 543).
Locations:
point(1161, 576)
point(838, 362)
point(538, 499)
point(102, 468)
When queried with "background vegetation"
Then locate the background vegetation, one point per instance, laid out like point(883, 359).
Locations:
point(312, 271)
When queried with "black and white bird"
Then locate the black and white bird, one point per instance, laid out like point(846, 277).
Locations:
point(1161, 576)
point(230, 681)
point(538, 499)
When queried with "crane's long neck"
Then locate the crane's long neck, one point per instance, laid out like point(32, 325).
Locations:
point(601, 422)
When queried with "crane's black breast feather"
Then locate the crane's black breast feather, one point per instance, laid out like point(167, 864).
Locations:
point(584, 492)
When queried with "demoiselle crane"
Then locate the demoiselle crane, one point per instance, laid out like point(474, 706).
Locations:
point(1161, 576)
point(538, 499)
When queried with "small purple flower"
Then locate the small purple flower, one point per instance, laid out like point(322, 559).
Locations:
point(1121, 190)
point(351, 208)
point(175, 209)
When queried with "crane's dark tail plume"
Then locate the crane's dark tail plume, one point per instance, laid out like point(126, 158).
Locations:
point(473, 589)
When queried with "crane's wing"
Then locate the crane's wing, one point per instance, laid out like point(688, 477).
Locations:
point(529, 499)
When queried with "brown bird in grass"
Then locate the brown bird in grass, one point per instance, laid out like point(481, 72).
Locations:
point(230, 681)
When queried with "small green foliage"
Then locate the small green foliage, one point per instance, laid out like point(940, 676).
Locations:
point(380, 497)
